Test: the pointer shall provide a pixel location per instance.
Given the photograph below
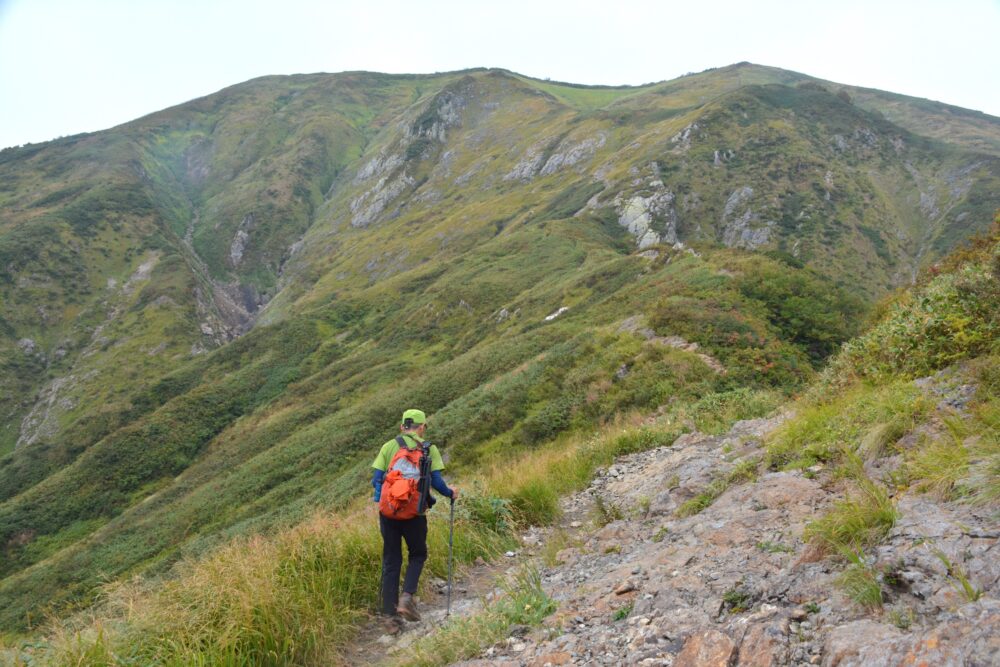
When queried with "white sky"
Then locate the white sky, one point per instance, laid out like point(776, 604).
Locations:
point(69, 66)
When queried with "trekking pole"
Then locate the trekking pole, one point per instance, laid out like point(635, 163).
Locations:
point(451, 541)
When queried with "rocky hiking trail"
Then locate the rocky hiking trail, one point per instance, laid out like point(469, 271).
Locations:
point(735, 584)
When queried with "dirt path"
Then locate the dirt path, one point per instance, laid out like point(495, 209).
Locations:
point(373, 646)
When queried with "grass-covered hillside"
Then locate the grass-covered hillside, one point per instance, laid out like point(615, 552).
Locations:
point(907, 408)
point(211, 315)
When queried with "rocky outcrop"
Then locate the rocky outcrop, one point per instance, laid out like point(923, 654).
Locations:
point(568, 154)
point(422, 137)
point(382, 163)
point(526, 168)
point(241, 239)
point(43, 420)
point(367, 207)
point(650, 219)
point(735, 585)
point(543, 158)
point(741, 227)
point(444, 113)
point(969, 637)
point(682, 140)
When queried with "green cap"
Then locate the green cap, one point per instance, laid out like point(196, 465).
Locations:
point(415, 416)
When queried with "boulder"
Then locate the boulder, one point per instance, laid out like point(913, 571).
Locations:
point(709, 648)
point(765, 645)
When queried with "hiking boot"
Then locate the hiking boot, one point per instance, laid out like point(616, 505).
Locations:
point(408, 608)
point(392, 625)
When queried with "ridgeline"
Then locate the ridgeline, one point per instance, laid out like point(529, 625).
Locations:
point(213, 314)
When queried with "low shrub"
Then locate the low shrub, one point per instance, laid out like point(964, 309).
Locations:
point(535, 503)
point(823, 430)
point(955, 316)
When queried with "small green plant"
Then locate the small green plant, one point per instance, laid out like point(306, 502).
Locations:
point(937, 467)
point(644, 503)
point(613, 549)
point(623, 612)
point(698, 503)
point(744, 471)
point(605, 513)
point(869, 418)
point(876, 442)
point(964, 586)
point(774, 547)
point(736, 600)
point(660, 533)
point(901, 616)
point(556, 542)
point(489, 511)
point(812, 607)
point(536, 503)
point(860, 521)
point(860, 581)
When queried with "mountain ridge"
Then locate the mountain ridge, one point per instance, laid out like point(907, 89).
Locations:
point(275, 257)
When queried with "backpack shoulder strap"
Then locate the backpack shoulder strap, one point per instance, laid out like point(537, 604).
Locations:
point(401, 442)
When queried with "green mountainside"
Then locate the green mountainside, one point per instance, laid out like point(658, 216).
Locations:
point(212, 314)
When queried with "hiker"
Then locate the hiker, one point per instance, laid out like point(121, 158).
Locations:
point(399, 491)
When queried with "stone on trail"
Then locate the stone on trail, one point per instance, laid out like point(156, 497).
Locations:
point(765, 645)
point(625, 587)
point(710, 648)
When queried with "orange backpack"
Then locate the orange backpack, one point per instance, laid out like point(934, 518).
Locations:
point(400, 497)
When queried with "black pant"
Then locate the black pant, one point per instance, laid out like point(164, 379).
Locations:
point(414, 531)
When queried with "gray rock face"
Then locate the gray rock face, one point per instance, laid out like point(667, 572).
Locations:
point(390, 166)
point(571, 154)
point(368, 206)
point(42, 421)
point(380, 164)
point(527, 166)
point(740, 226)
point(568, 153)
point(651, 219)
point(240, 241)
point(682, 140)
point(970, 638)
point(444, 113)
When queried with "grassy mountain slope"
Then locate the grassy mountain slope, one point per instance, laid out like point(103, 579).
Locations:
point(401, 239)
point(302, 591)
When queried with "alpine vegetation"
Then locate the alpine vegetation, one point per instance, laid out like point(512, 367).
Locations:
point(621, 316)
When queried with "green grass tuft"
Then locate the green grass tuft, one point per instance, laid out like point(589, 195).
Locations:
point(744, 471)
point(860, 581)
point(862, 520)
